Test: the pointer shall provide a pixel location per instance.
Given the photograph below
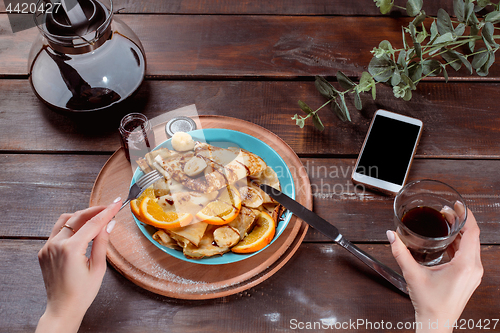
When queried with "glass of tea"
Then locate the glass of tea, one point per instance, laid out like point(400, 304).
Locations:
point(137, 136)
point(428, 215)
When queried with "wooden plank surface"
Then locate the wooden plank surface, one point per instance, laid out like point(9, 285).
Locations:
point(278, 7)
point(321, 282)
point(460, 120)
point(57, 184)
point(237, 47)
point(250, 60)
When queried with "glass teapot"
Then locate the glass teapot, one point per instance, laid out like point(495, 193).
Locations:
point(84, 60)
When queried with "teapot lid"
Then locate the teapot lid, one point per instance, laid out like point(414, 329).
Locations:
point(76, 26)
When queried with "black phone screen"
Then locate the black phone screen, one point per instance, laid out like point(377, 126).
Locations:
point(388, 150)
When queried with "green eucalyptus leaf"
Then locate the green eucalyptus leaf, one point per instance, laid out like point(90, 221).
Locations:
point(452, 59)
point(357, 100)
point(325, 88)
point(480, 59)
point(299, 121)
point(386, 45)
point(344, 81)
point(468, 10)
point(483, 3)
point(460, 29)
point(338, 111)
point(405, 44)
point(399, 91)
point(421, 36)
point(445, 73)
point(447, 37)
point(465, 62)
point(413, 31)
point(365, 82)
point(381, 68)
point(472, 45)
point(406, 80)
point(419, 19)
point(402, 59)
point(384, 5)
point(487, 33)
point(317, 123)
point(374, 92)
point(472, 17)
point(305, 108)
point(344, 108)
point(459, 9)
point(396, 78)
point(474, 31)
point(418, 49)
point(483, 71)
point(407, 95)
point(415, 71)
point(434, 31)
point(456, 59)
point(493, 17)
point(444, 24)
point(431, 67)
point(413, 7)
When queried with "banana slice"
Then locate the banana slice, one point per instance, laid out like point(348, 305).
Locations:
point(166, 202)
point(161, 188)
point(182, 141)
point(226, 236)
point(195, 166)
point(250, 197)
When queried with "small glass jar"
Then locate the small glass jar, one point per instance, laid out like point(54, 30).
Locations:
point(137, 136)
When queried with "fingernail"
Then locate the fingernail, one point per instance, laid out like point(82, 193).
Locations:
point(117, 199)
point(390, 236)
point(110, 226)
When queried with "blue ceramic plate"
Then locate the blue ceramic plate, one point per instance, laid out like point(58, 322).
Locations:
point(224, 138)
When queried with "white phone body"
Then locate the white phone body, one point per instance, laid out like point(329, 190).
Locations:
point(387, 153)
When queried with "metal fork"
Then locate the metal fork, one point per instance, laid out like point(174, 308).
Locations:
point(143, 183)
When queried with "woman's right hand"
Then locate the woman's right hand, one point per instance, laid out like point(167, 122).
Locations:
point(72, 279)
point(440, 293)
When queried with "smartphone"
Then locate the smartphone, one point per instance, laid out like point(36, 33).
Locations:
point(387, 153)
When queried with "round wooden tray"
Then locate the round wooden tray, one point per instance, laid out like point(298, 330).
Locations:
point(136, 258)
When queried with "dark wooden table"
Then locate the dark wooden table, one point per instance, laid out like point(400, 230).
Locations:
point(250, 60)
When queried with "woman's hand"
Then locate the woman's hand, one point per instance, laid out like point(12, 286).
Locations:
point(72, 279)
point(440, 293)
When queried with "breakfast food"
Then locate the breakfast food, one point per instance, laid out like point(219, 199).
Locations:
point(182, 142)
point(209, 202)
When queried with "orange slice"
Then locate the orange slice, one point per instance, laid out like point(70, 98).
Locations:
point(149, 192)
point(134, 207)
point(153, 214)
point(261, 235)
point(134, 204)
point(223, 210)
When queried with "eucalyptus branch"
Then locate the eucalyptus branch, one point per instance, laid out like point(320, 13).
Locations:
point(432, 51)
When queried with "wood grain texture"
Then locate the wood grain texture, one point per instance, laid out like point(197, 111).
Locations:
point(237, 47)
point(62, 183)
point(37, 189)
point(321, 282)
point(277, 7)
point(252, 60)
point(461, 120)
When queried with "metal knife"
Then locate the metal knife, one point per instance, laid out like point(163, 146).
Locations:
point(333, 233)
